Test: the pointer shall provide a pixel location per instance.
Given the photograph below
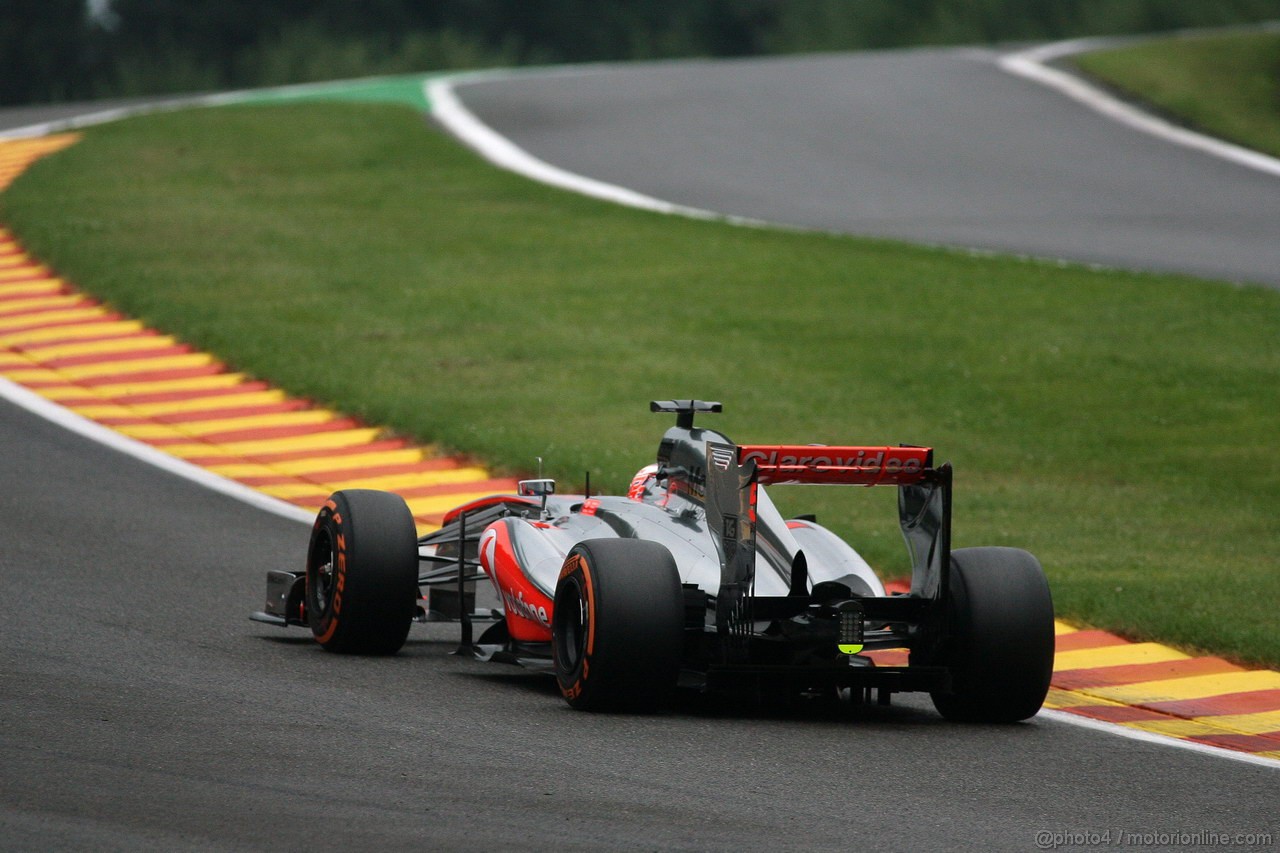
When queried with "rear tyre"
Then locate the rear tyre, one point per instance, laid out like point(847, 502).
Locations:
point(362, 573)
point(617, 626)
point(999, 642)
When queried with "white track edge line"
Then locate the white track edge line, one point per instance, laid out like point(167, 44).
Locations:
point(94, 431)
point(1031, 65)
point(1158, 739)
point(61, 125)
point(505, 154)
point(211, 100)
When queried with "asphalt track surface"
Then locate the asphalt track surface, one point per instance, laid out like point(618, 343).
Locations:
point(140, 709)
point(937, 146)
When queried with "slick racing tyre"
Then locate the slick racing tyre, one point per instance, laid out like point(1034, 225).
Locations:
point(362, 573)
point(999, 642)
point(617, 627)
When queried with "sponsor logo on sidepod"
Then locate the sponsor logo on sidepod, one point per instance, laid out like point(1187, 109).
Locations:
point(534, 613)
point(514, 603)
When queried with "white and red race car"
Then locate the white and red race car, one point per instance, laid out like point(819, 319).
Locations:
point(691, 580)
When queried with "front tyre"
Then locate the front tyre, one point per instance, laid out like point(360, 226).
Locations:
point(999, 641)
point(617, 626)
point(362, 573)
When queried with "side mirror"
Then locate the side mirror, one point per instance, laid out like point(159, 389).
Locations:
point(536, 488)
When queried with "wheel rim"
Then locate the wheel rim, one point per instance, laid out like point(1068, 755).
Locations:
point(573, 621)
point(320, 574)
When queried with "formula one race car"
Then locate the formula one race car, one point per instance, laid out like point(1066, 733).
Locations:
point(691, 580)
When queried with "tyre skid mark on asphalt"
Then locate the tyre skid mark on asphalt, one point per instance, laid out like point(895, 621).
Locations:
point(80, 355)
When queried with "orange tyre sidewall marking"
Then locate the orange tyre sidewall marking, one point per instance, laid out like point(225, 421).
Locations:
point(577, 562)
point(339, 556)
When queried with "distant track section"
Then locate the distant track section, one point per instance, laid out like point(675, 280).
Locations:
point(937, 146)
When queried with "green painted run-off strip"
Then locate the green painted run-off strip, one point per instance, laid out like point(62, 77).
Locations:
point(406, 89)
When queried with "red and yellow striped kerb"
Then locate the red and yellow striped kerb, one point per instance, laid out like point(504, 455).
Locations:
point(80, 354)
point(1152, 688)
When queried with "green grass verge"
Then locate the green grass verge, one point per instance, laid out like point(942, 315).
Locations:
point(1120, 426)
point(1226, 85)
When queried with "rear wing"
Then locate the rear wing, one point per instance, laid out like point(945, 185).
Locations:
point(924, 493)
point(735, 471)
point(804, 464)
